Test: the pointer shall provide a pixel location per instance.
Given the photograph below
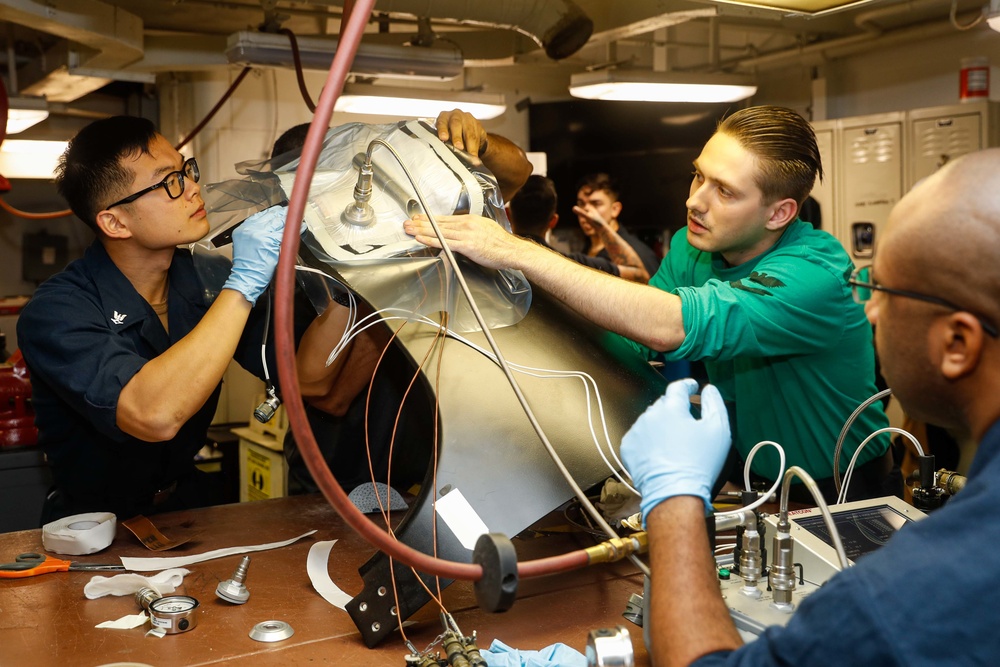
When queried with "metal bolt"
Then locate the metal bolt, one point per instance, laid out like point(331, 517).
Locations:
point(233, 590)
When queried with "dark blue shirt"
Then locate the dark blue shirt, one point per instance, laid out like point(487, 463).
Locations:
point(85, 333)
point(925, 598)
point(646, 254)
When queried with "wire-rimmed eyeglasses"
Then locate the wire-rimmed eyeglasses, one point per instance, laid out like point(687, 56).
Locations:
point(863, 284)
point(173, 183)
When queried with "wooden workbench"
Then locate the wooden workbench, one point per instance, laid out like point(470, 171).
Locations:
point(46, 620)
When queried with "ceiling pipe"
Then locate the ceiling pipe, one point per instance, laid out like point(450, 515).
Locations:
point(867, 20)
point(558, 26)
point(821, 52)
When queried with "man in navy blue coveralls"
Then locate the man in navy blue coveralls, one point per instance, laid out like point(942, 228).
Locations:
point(125, 352)
point(926, 597)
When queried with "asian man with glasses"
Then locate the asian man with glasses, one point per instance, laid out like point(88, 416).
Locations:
point(126, 356)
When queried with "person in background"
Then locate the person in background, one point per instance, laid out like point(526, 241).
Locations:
point(533, 216)
point(749, 289)
point(126, 356)
point(932, 294)
point(597, 210)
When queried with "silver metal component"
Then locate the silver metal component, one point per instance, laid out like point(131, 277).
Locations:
point(782, 574)
point(633, 609)
point(360, 213)
point(233, 590)
point(174, 614)
point(729, 521)
point(750, 559)
point(271, 631)
point(610, 647)
point(144, 596)
point(169, 615)
point(265, 411)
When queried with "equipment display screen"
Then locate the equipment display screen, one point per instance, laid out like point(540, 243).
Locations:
point(862, 530)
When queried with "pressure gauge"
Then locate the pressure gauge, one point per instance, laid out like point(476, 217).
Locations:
point(172, 614)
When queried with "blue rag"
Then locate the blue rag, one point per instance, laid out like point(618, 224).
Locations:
point(557, 655)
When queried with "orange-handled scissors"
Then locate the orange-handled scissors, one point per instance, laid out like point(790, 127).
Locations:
point(33, 564)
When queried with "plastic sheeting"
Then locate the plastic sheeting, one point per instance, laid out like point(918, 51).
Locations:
point(378, 261)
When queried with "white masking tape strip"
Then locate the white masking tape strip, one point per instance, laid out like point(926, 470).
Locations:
point(125, 622)
point(319, 575)
point(461, 517)
point(80, 534)
point(150, 564)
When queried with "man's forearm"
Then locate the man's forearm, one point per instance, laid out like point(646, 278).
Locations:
point(644, 314)
point(169, 389)
point(624, 255)
point(508, 163)
point(687, 620)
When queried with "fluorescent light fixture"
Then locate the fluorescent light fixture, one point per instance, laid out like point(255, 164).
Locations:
point(23, 112)
point(364, 98)
point(806, 7)
point(649, 86)
point(993, 15)
point(381, 60)
point(30, 159)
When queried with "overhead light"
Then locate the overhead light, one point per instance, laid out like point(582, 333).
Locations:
point(381, 60)
point(993, 15)
point(650, 86)
point(807, 7)
point(30, 159)
point(362, 98)
point(23, 112)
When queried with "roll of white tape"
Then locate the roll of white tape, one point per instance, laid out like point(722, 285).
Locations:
point(80, 534)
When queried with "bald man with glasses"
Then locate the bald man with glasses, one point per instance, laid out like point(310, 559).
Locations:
point(126, 353)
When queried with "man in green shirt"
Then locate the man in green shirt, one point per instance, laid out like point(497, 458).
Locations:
point(748, 288)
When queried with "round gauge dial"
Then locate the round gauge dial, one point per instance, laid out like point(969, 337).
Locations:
point(173, 604)
point(173, 613)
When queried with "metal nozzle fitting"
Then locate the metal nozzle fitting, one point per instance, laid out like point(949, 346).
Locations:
point(233, 590)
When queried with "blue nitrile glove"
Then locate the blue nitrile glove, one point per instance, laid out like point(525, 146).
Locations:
point(556, 655)
point(256, 243)
point(670, 453)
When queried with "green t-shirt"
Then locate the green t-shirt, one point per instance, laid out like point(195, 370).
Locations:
point(785, 343)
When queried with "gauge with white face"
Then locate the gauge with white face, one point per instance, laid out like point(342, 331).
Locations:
point(173, 613)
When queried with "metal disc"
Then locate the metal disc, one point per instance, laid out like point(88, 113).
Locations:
point(271, 631)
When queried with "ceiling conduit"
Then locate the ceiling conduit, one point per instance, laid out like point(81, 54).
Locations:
point(559, 26)
point(821, 52)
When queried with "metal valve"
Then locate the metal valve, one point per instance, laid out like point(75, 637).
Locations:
point(233, 590)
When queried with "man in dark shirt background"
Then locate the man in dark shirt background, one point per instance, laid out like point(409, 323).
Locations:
point(597, 206)
point(533, 216)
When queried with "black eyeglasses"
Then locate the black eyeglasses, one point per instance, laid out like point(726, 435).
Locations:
point(173, 183)
point(863, 284)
